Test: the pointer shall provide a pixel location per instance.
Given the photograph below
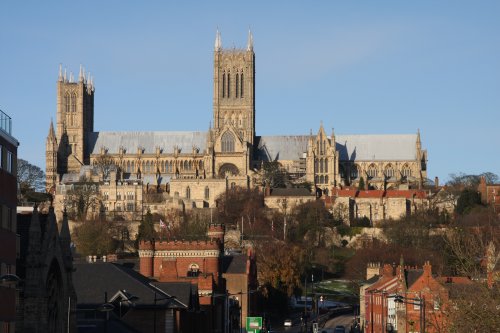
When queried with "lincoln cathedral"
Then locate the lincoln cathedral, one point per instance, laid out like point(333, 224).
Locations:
point(196, 167)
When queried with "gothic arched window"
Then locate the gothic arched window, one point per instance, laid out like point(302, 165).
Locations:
point(207, 193)
point(341, 171)
point(241, 85)
point(188, 192)
point(73, 103)
point(227, 142)
point(354, 171)
point(223, 85)
point(372, 171)
point(237, 84)
point(315, 165)
point(389, 171)
point(321, 167)
point(67, 102)
point(326, 165)
point(406, 171)
point(326, 179)
point(228, 84)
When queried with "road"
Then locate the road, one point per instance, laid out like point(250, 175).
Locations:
point(344, 320)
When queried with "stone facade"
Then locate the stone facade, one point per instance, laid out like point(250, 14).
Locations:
point(48, 286)
point(378, 205)
point(200, 166)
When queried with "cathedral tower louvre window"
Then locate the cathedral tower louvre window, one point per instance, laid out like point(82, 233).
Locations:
point(67, 100)
point(223, 85)
point(73, 103)
point(227, 142)
point(242, 84)
point(237, 84)
point(228, 84)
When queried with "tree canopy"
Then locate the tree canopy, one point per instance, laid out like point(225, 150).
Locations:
point(30, 177)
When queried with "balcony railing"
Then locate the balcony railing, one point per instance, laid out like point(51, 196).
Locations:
point(5, 123)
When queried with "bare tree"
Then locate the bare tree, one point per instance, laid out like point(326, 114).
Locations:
point(81, 198)
point(30, 177)
point(105, 163)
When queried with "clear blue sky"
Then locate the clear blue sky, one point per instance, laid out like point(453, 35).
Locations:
point(362, 67)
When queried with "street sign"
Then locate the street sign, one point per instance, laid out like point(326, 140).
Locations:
point(254, 324)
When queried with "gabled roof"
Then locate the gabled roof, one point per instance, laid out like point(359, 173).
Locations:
point(412, 275)
point(91, 281)
point(235, 264)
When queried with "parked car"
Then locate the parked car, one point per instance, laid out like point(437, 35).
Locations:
point(287, 323)
point(339, 329)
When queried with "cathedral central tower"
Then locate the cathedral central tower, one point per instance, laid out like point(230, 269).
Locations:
point(234, 89)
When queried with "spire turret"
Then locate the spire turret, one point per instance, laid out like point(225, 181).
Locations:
point(65, 78)
point(71, 77)
point(52, 133)
point(218, 41)
point(250, 41)
point(60, 77)
point(81, 77)
point(419, 143)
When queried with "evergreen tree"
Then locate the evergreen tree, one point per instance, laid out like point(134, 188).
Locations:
point(361, 185)
point(146, 228)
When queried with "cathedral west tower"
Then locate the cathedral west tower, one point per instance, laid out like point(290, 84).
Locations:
point(75, 120)
point(234, 89)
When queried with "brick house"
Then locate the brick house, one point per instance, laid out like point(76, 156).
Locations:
point(218, 278)
point(425, 299)
point(490, 194)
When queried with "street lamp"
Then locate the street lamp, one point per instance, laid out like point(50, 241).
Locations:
point(128, 298)
point(414, 301)
point(156, 299)
point(106, 308)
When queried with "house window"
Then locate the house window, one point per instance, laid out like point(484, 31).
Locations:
point(118, 196)
point(416, 306)
point(118, 207)
point(193, 270)
point(130, 195)
point(130, 206)
point(10, 158)
point(106, 195)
